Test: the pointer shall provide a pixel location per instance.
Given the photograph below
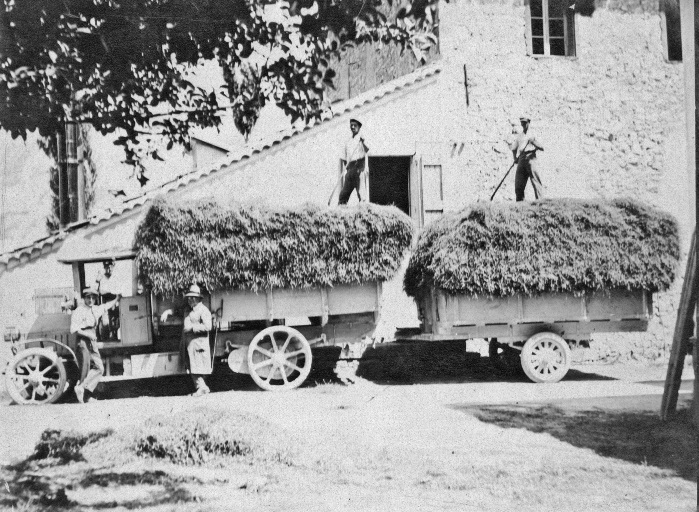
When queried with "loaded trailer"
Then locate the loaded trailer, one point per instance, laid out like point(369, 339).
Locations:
point(536, 278)
point(531, 333)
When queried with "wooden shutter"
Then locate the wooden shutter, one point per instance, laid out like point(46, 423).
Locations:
point(416, 212)
point(432, 189)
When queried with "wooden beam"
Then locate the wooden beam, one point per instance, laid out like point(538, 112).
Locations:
point(683, 331)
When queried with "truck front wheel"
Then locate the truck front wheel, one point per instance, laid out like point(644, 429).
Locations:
point(35, 376)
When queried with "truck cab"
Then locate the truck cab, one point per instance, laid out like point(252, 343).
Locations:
point(139, 338)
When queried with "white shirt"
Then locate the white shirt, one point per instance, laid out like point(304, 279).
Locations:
point(85, 317)
point(526, 140)
point(107, 284)
point(354, 148)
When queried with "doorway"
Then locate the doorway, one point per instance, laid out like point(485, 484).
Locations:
point(389, 181)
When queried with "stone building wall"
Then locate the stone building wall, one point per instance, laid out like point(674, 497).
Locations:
point(611, 119)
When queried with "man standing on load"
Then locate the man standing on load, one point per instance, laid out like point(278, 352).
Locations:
point(83, 323)
point(524, 149)
point(195, 340)
point(355, 156)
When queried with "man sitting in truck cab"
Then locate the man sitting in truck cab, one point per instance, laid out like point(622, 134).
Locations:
point(83, 323)
point(107, 290)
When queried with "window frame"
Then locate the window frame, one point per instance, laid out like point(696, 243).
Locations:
point(670, 57)
point(570, 46)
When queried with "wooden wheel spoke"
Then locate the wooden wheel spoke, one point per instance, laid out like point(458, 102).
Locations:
point(262, 364)
point(49, 379)
point(286, 342)
point(26, 385)
point(272, 372)
point(53, 365)
point(264, 351)
point(284, 377)
point(289, 355)
point(292, 366)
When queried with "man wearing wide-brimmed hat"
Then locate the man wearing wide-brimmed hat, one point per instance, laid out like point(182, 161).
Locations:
point(354, 156)
point(524, 150)
point(195, 340)
point(83, 323)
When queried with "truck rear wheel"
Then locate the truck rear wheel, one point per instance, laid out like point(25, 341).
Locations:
point(279, 358)
point(546, 357)
point(35, 376)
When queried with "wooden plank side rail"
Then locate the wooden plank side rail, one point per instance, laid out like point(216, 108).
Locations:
point(683, 331)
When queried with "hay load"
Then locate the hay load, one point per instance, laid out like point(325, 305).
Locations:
point(562, 245)
point(253, 248)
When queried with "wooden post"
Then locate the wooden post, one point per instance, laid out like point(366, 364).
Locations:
point(683, 331)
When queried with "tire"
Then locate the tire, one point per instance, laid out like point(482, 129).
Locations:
point(271, 363)
point(546, 357)
point(505, 359)
point(35, 376)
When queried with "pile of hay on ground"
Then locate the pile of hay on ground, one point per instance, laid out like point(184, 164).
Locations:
point(246, 247)
point(500, 250)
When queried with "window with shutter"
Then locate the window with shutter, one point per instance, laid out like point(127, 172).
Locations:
point(551, 27)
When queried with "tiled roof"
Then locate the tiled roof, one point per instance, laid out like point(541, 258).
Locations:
point(47, 244)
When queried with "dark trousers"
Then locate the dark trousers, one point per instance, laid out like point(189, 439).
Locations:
point(109, 323)
point(527, 169)
point(351, 182)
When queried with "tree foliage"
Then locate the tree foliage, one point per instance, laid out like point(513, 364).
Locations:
point(125, 66)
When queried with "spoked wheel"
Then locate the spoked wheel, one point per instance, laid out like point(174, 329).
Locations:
point(279, 357)
point(35, 376)
point(546, 357)
point(504, 358)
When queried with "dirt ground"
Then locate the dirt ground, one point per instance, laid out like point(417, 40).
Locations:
point(474, 441)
